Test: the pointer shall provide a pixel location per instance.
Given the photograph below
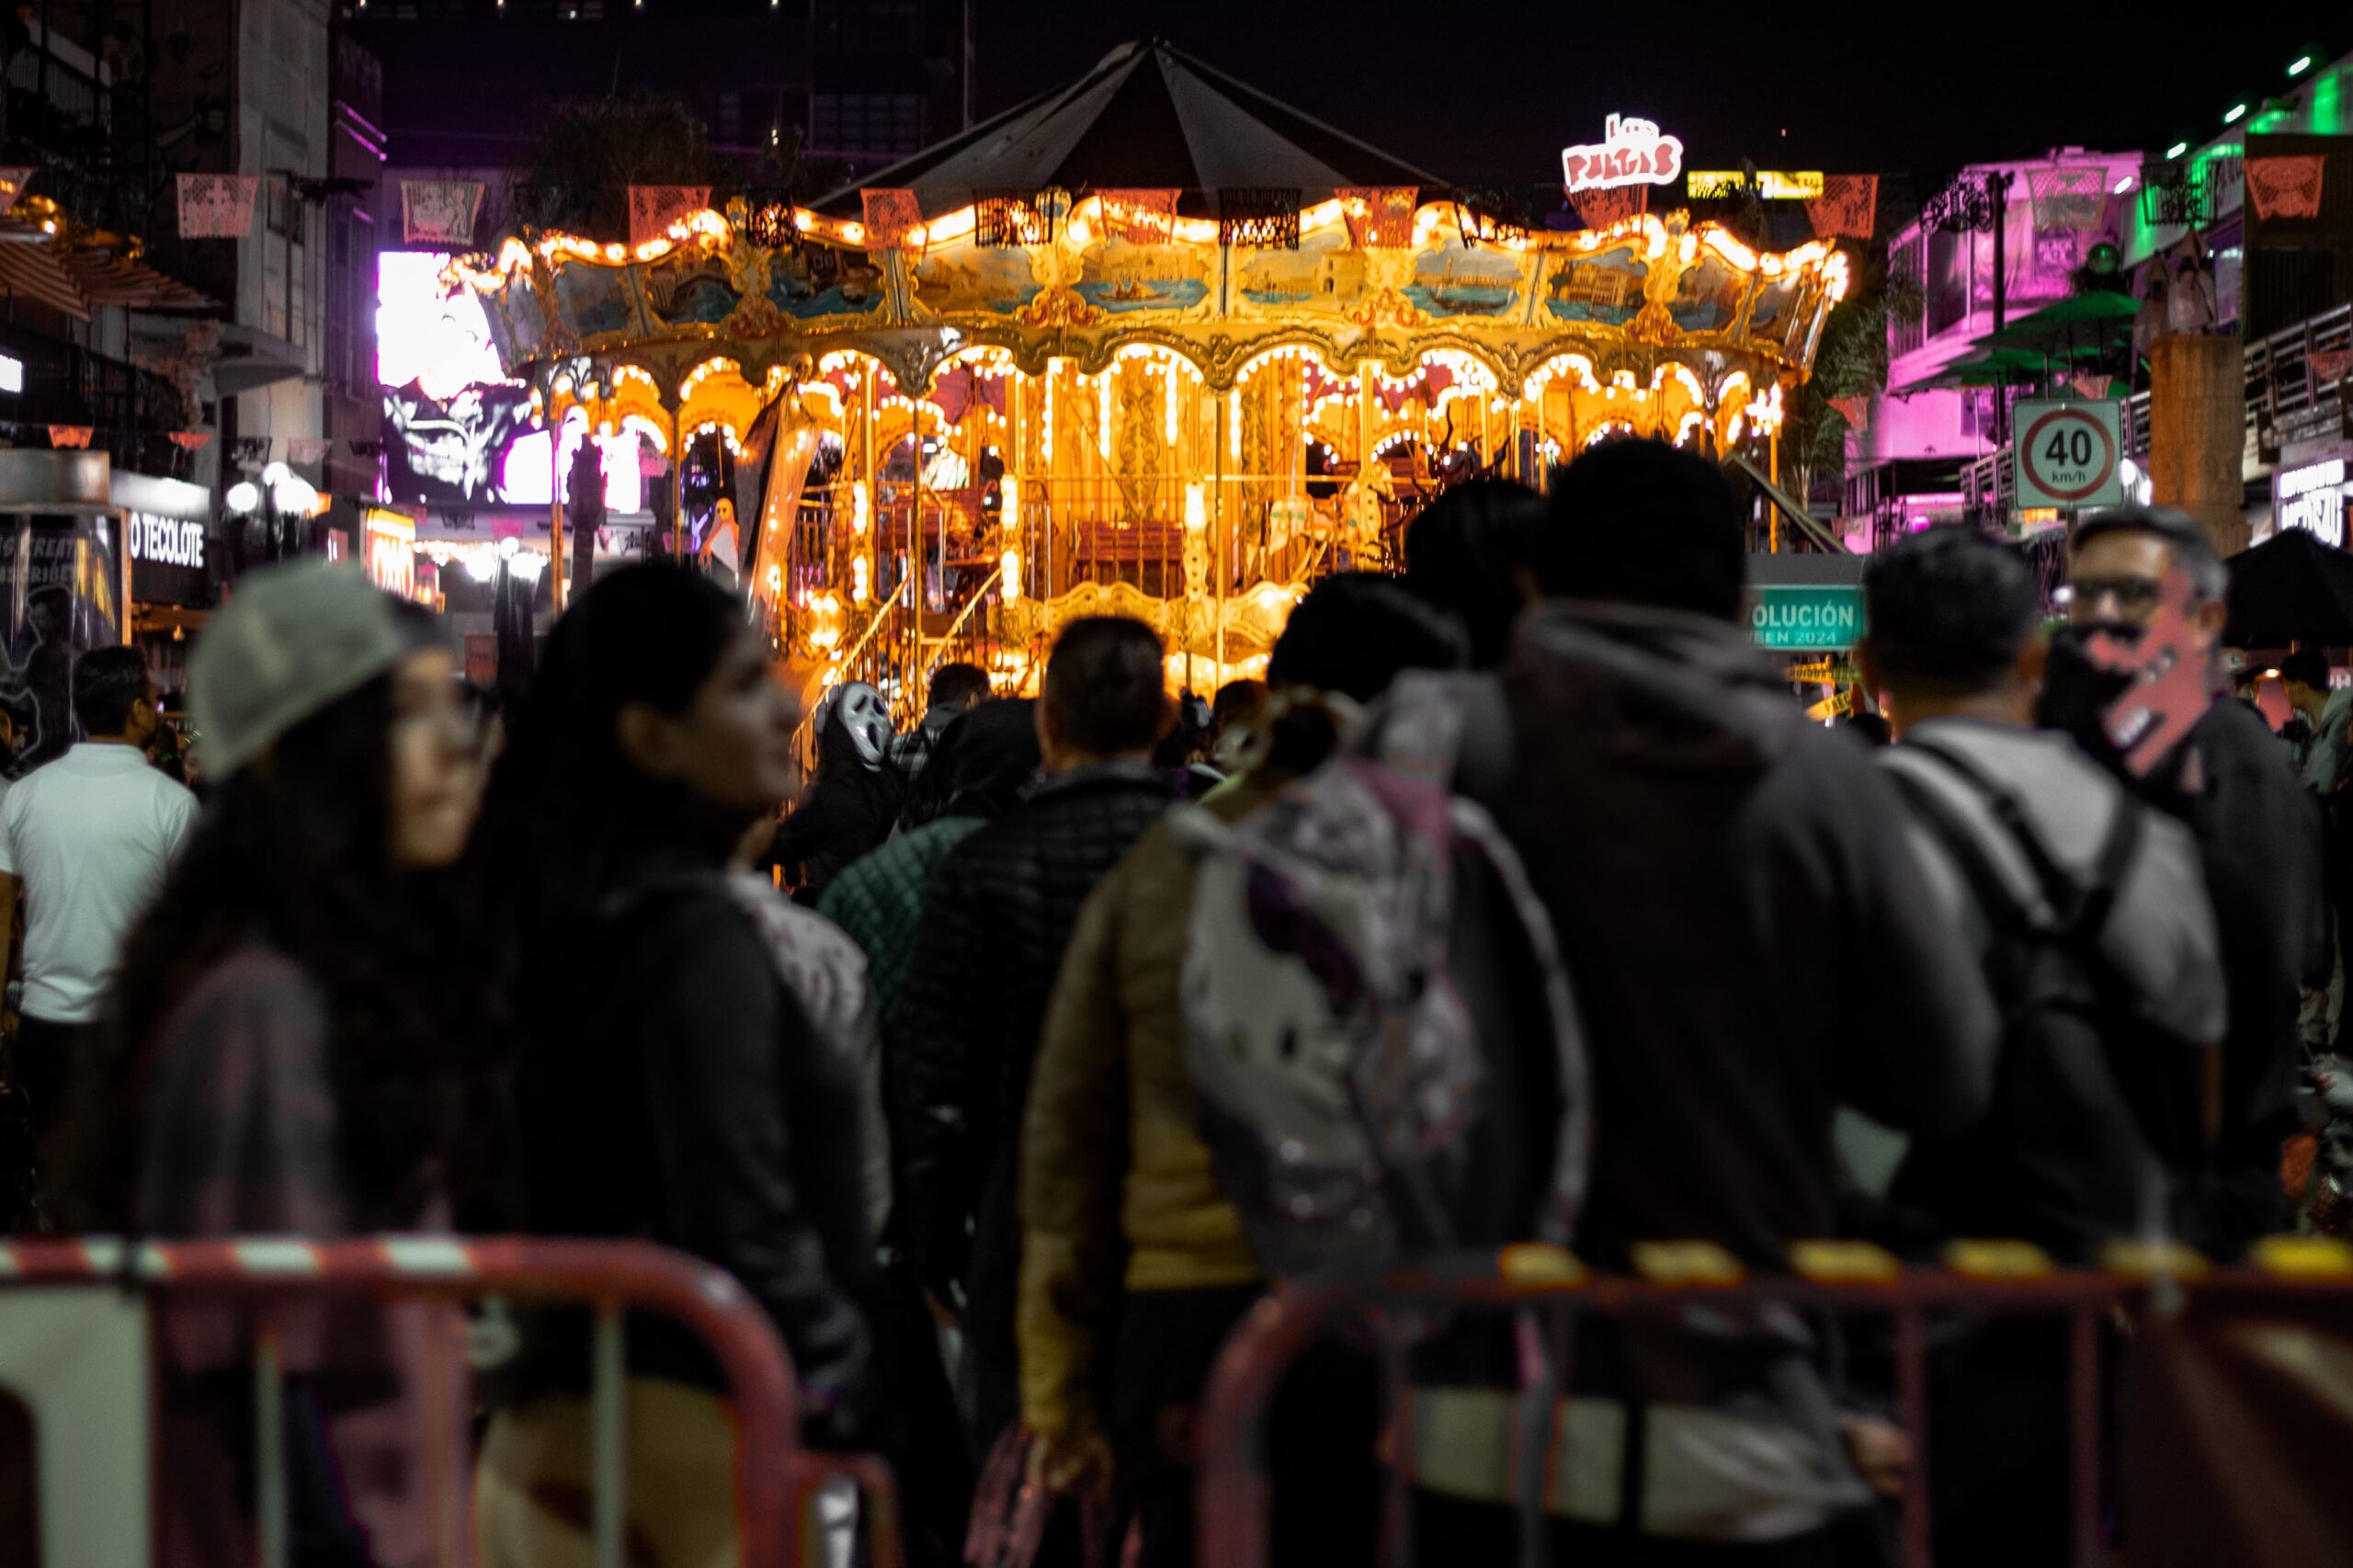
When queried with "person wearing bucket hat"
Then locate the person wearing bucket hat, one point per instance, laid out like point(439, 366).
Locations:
point(297, 1044)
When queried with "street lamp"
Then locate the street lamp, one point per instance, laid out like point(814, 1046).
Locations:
point(280, 498)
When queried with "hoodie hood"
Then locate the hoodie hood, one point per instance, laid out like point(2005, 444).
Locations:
point(1681, 688)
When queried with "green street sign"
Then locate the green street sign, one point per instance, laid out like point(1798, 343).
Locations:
point(1799, 617)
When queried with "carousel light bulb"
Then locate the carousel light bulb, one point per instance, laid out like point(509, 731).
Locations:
point(1009, 574)
point(858, 514)
point(857, 579)
point(1197, 511)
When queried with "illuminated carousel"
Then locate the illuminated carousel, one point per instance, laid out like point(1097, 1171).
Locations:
point(1154, 345)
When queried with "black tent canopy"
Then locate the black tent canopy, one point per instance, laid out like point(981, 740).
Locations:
point(2290, 588)
point(1148, 116)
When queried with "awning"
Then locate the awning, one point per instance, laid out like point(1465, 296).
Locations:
point(106, 280)
point(251, 357)
point(74, 282)
point(34, 272)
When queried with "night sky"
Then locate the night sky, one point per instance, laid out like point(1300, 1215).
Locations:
point(1489, 90)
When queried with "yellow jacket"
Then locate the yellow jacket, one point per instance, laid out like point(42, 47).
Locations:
point(1116, 1184)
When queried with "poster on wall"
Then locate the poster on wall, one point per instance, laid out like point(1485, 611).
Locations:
point(456, 428)
point(60, 595)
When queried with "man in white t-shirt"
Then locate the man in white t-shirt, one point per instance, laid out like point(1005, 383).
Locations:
point(89, 838)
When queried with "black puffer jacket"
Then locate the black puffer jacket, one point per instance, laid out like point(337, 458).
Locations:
point(675, 1091)
point(958, 1056)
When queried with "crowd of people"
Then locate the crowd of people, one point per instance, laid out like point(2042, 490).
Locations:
point(970, 1112)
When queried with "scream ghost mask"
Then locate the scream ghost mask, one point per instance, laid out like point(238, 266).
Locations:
point(855, 716)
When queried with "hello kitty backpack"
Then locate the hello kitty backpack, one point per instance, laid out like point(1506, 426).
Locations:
point(1372, 996)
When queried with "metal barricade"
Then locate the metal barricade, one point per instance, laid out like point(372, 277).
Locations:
point(86, 1282)
point(1853, 1279)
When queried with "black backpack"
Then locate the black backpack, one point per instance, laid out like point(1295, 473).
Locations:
point(2094, 1121)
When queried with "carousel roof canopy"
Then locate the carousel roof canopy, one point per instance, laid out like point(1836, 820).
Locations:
point(1148, 116)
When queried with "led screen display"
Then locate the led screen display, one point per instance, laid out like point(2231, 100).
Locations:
point(457, 429)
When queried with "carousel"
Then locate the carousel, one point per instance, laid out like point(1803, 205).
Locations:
point(1154, 345)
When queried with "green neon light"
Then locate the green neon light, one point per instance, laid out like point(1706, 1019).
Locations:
point(2328, 110)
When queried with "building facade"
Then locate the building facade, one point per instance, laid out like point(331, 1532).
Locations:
point(2281, 285)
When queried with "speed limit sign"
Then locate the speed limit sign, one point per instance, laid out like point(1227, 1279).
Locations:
point(2068, 454)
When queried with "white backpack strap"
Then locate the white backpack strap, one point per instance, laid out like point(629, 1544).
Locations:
point(1198, 830)
point(1449, 729)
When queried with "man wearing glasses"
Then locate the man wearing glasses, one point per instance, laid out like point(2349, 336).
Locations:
point(2145, 597)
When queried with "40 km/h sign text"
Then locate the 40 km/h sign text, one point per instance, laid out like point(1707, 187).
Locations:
point(2068, 454)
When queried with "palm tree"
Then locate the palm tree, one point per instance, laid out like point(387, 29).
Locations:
point(1851, 361)
point(591, 154)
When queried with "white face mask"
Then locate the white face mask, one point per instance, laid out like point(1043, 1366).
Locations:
point(859, 709)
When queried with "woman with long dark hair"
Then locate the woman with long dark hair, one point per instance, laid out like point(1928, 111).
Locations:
point(293, 1047)
point(671, 1086)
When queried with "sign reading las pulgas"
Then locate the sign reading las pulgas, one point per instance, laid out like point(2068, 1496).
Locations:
point(1632, 152)
point(1806, 617)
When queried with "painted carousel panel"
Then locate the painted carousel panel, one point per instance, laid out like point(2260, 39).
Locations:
point(594, 302)
point(1454, 279)
point(1120, 278)
point(1708, 296)
point(1604, 287)
point(967, 281)
point(813, 281)
point(1323, 274)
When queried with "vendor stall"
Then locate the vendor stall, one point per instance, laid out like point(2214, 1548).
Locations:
point(1153, 345)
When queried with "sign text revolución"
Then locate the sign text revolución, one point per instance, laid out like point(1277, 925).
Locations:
point(1806, 617)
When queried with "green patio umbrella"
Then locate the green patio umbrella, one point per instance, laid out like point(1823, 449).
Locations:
point(1998, 368)
point(2103, 315)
